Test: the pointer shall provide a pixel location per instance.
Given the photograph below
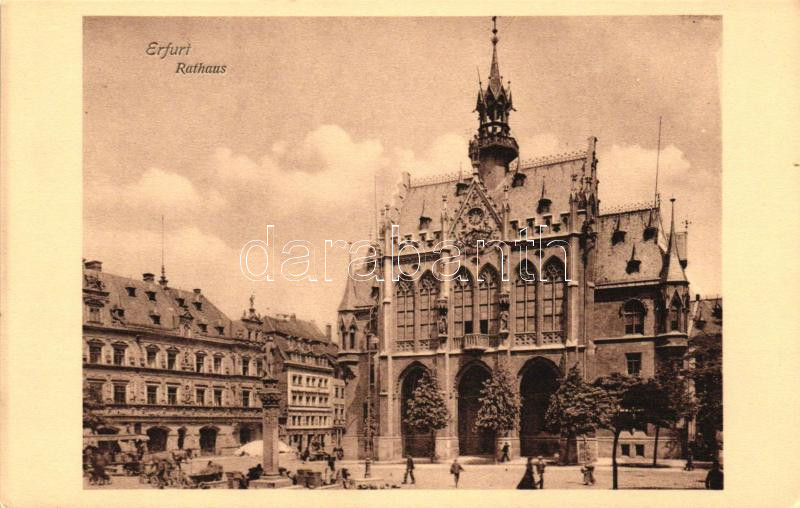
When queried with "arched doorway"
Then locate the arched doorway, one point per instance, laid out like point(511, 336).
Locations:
point(472, 440)
point(208, 441)
point(158, 439)
point(245, 434)
point(415, 443)
point(539, 381)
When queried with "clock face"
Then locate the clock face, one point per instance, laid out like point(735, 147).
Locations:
point(475, 216)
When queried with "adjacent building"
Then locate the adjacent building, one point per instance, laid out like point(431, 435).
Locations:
point(169, 367)
point(546, 279)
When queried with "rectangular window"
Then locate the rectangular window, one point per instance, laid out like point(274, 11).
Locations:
point(625, 450)
point(203, 327)
point(259, 368)
point(95, 354)
point(120, 394)
point(96, 392)
point(246, 398)
point(200, 396)
point(152, 394)
point(156, 319)
point(217, 364)
point(119, 355)
point(217, 397)
point(151, 295)
point(639, 450)
point(131, 291)
point(172, 395)
point(634, 361)
point(151, 357)
point(171, 356)
point(220, 330)
point(199, 360)
point(245, 366)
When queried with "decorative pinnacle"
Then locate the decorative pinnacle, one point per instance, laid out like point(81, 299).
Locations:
point(494, 30)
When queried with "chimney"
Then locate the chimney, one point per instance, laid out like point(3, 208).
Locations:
point(94, 265)
point(148, 277)
point(329, 332)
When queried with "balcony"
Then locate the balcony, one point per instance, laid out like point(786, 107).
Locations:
point(476, 342)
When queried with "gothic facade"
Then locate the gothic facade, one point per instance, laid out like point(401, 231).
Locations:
point(513, 265)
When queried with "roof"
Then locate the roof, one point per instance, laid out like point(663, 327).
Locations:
point(612, 258)
point(138, 309)
point(358, 294)
point(706, 317)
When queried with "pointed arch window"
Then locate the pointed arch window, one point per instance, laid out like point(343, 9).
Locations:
point(404, 292)
point(352, 335)
point(553, 297)
point(633, 314)
point(428, 292)
point(462, 303)
point(488, 300)
point(525, 298)
point(675, 315)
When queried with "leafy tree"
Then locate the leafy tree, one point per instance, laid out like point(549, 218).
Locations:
point(572, 410)
point(427, 410)
point(620, 406)
point(91, 404)
point(500, 405)
point(705, 353)
point(669, 401)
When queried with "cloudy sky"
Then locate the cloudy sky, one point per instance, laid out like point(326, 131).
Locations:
point(312, 113)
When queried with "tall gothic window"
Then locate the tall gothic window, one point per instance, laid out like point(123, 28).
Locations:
point(525, 298)
point(405, 309)
point(553, 298)
point(675, 315)
point(428, 292)
point(352, 337)
point(462, 303)
point(633, 313)
point(488, 302)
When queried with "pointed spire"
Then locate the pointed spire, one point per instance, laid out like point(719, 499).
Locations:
point(673, 270)
point(163, 281)
point(495, 81)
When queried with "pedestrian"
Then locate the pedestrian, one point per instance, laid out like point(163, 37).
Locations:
point(505, 457)
point(588, 473)
point(345, 478)
point(689, 460)
point(714, 478)
point(527, 482)
point(332, 463)
point(409, 471)
point(455, 470)
point(540, 471)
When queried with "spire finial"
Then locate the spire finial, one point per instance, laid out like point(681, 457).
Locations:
point(163, 281)
point(494, 30)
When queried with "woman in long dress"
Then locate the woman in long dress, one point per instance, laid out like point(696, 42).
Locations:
point(527, 482)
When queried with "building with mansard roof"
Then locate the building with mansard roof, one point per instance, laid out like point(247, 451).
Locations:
point(546, 279)
point(169, 368)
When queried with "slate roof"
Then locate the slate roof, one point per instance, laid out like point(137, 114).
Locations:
point(612, 259)
point(139, 308)
point(706, 317)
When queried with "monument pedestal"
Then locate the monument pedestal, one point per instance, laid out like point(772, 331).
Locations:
point(270, 482)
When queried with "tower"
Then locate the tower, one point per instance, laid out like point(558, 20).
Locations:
point(493, 147)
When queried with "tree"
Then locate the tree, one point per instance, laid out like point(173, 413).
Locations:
point(91, 404)
point(572, 410)
point(427, 410)
point(705, 355)
point(669, 401)
point(500, 405)
point(620, 406)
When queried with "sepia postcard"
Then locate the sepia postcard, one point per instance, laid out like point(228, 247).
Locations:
point(420, 255)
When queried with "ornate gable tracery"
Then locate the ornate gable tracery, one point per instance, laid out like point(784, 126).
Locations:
point(476, 219)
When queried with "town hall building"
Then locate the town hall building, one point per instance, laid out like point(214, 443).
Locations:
point(546, 280)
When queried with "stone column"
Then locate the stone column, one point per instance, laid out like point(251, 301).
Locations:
point(270, 402)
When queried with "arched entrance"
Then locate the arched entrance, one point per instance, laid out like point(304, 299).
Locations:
point(158, 439)
point(415, 443)
point(472, 440)
point(245, 434)
point(539, 381)
point(208, 441)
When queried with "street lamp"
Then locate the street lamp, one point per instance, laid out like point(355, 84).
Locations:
point(370, 448)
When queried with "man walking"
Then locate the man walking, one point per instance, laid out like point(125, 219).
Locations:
point(714, 478)
point(540, 470)
point(409, 471)
point(505, 457)
point(455, 470)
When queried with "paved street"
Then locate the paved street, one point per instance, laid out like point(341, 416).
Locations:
point(475, 476)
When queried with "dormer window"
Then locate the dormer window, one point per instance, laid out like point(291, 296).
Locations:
point(156, 319)
point(437, 235)
point(519, 180)
point(198, 305)
point(220, 330)
point(151, 295)
point(617, 237)
point(461, 188)
point(515, 227)
point(203, 327)
point(408, 238)
point(529, 223)
point(649, 233)
point(633, 263)
point(118, 313)
point(422, 237)
point(181, 302)
point(131, 291)
point(424, 222)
